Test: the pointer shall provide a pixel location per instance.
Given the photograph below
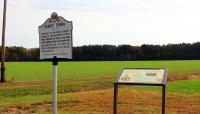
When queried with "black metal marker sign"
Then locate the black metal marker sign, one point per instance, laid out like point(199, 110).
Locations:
point(55, 40)
point(141, 76)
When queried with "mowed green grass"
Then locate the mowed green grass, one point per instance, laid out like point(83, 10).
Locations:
point(42, 71)
point(183, 86)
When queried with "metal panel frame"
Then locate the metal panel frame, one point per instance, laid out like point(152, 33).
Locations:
point(163, 85)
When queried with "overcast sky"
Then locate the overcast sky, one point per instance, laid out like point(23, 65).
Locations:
point(116, 22)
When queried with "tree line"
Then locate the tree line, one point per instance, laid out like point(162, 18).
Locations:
point(183, 51)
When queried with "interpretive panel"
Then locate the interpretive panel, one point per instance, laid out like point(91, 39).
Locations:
point(143, 76)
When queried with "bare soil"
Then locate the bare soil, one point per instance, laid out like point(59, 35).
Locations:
point(184, 76)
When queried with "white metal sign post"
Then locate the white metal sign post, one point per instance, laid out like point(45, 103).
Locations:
point(55, 64)
point(55, 40)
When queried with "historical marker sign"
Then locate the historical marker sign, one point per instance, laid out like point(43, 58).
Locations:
point(55, 38)
point(140, 75)
point(55, 41)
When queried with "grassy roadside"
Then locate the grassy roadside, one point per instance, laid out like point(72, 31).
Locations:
point(86, 101)
point(38, 94)
point(43, 89)
point(184, 86)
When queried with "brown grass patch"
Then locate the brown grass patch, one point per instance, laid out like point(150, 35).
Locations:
point(184, 76)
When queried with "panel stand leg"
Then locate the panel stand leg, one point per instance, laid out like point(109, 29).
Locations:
point(115, 97)
point(163, 99)
point(55, 63)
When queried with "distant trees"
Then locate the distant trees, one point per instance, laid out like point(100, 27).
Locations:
point(14, 53)
point(172, 51)
point(106, 52)
point(183, 51)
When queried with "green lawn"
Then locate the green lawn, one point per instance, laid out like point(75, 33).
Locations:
point(184, 86)
point(33, 71)
point(43, 89)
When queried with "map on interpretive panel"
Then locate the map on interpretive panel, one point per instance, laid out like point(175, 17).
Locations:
point(147, 76)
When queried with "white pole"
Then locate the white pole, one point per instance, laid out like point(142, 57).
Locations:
point(54, 89)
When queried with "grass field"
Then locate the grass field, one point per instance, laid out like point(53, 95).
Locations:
point(87, 88)
point(37, 71)
point(184, 86)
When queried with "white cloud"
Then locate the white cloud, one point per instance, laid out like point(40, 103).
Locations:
point(107, 21)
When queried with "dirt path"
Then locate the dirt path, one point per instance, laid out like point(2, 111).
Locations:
point(130, 102)
point(49, 83)
point(184, 76)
